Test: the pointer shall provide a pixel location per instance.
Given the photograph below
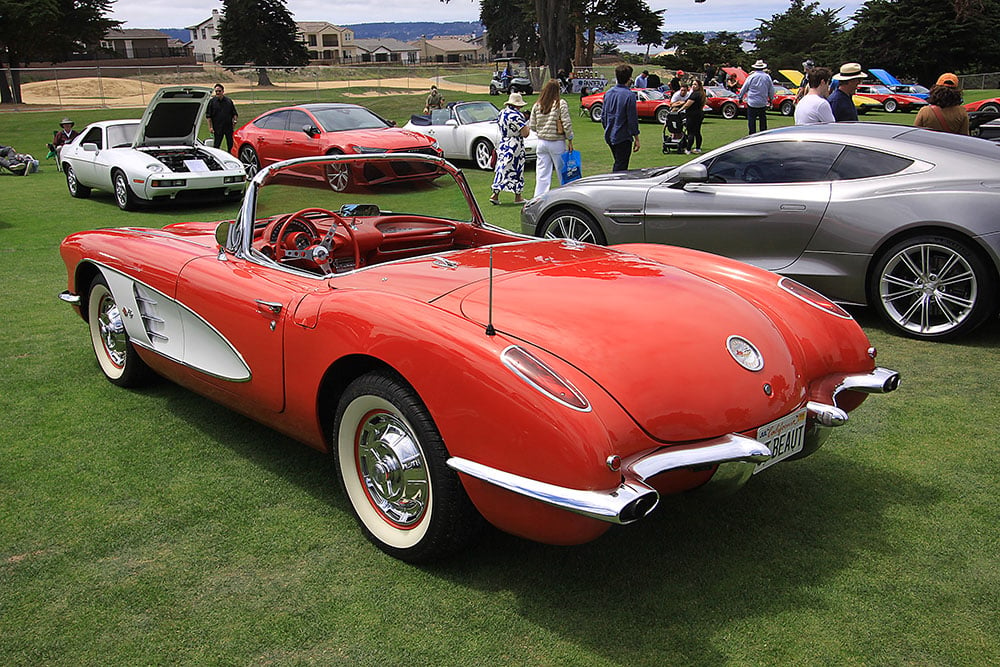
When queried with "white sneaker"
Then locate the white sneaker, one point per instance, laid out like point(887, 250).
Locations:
point(697, 151)
point(687, 152)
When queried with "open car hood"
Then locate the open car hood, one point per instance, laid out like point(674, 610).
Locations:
point(173, 117)
point(884, 77)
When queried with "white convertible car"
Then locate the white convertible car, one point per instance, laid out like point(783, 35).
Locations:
point(153, 159)
point(466, 131)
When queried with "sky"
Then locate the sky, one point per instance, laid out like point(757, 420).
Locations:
point(730, 15)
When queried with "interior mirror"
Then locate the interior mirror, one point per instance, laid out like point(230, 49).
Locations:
point(222, 234)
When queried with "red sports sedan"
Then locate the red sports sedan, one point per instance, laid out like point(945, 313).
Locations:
point(650, 103)
point(327, 129)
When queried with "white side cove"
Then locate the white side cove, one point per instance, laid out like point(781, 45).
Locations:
point(155, 321)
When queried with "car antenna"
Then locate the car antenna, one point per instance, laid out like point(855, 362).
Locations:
point(490, 331)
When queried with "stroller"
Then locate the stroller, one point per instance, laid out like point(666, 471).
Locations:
point(673, 132)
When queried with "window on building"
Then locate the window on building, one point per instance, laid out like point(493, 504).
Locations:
point(331, 40)
point(311, 40)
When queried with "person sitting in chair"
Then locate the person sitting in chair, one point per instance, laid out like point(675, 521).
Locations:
point(61, 138)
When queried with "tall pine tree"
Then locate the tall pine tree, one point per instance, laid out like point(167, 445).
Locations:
point(260, 33)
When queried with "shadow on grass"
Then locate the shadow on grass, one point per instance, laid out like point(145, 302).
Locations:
point(659, 590)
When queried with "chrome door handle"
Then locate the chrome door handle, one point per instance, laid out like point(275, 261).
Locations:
point(268, 307)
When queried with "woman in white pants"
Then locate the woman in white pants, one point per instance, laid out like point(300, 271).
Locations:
point(552, 123)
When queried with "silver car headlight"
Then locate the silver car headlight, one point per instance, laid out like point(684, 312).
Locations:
point(156, 168)
point(231, 164)
point(368, 149)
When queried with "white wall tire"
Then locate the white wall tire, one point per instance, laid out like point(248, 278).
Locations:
point(392, 465)
point(115, 354)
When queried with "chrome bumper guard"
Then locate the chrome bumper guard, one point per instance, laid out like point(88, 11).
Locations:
point(70, 298)
point(734, 455)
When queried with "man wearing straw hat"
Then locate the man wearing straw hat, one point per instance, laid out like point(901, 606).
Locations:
point(842, 99)
point(61, 138)
point(758, 91)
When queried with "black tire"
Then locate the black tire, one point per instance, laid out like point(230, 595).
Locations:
point(787, 108)
point(392, 466)
point(730, 110)
point(933, 287)
point(482, 153)
point(990, 108)
point(115, 354)
point(493, 90)
point(661, 115)
point(250, 160)
point(890, 105)
point(76, 189)
point(572, 223)
point(126, 200)
point(596, 112)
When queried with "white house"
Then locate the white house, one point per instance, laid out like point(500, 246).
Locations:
point(206, 45)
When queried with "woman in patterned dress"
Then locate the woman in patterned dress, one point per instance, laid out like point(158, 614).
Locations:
point(509, 171)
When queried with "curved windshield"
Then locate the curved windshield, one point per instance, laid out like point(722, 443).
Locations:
point(477, 112)
point(653, 94)
point(338, 119)
point(122, 135)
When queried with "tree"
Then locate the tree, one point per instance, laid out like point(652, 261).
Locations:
point(612, 16)
point(47, 30)
point(511, 22)
point(801, 32)
point(957, 36)
point(261, 33)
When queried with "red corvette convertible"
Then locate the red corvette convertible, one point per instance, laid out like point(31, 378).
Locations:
point(650, 103)
point(457, 371)
point(325, 129)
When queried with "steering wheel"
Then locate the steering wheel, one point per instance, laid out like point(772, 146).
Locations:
point(305, 243)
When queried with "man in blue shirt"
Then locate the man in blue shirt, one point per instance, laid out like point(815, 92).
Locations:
point(758, 91)
point(842, 98)
point(621, 119)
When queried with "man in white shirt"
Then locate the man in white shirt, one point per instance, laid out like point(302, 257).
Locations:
point(813, 107)
point(678, 99)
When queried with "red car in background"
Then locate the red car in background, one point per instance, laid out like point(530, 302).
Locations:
point(784, 101)
point(650, 103)
point(327, 129)
point(889, 100)
point(989, 104)
point(723, 101)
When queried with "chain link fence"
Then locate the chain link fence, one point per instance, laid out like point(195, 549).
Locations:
point(134, 86)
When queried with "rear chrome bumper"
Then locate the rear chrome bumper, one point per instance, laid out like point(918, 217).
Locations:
point(734, 456)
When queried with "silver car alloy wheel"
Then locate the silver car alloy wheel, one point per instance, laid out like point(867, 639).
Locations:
point(570, 226)
point(337, 175)
point(482, 152)
point(928, 289)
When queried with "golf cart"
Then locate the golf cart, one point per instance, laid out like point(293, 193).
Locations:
point(511, 76)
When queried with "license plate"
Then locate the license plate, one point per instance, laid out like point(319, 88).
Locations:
point(784, 437)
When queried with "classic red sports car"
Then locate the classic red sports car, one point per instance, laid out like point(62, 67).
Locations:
point(650, 104)
point(456, 370)
point(325, 129)
point(990, 104)
point(724, 101)
point(889, 100)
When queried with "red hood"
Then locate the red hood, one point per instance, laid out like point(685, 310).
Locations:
point(391, 138)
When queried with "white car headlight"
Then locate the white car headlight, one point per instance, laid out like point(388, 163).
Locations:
point(156, 168)
point(233, 165)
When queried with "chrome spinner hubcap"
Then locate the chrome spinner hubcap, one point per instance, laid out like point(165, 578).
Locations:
point(392, 468)
point(109, 323)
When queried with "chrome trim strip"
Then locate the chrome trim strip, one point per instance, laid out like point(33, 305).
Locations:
point(727, 448)
point(629, 502)
point(879, 381)
point(70, 298)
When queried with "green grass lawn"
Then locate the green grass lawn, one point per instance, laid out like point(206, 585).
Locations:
point(150, 527)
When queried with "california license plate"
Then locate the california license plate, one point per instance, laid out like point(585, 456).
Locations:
point(784, 437)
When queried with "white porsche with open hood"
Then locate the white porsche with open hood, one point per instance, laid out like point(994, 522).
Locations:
point(153, 159)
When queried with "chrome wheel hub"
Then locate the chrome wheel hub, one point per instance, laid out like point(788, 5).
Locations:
point(392, 468)
point(109, 323)
point(569, 227)
point(928, 288)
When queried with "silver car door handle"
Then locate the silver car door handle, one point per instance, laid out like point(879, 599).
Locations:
point(268, 307)
point(792, 207)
